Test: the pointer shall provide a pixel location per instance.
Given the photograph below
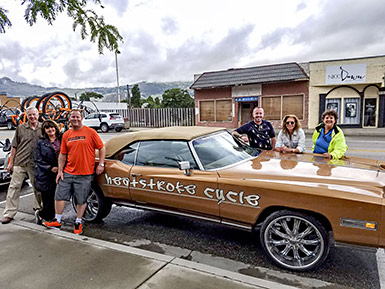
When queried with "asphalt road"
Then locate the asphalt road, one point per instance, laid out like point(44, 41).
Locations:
point(222, 246)
point(218, 245)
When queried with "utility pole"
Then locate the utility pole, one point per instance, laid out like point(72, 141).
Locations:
point(128, 97)
point(117, 75)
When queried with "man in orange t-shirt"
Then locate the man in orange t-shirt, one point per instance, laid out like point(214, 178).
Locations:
point(76, 168)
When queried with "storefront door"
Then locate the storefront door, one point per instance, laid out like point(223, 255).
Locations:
point(370, 112)
point(246, 111)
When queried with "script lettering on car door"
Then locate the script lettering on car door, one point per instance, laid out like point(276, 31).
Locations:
point(179, 188)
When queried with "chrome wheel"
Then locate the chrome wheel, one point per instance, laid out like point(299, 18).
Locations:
point(295, 241)
point(98, 207)
point(92, 208)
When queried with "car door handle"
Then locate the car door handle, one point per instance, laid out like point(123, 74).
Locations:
point(136, 175)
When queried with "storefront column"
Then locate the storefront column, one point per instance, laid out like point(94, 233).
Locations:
point(381, 103)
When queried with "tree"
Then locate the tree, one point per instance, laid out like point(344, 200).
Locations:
point(107, 36)
point(153, 103)
point(86, 96)
point(176, 97)
point(136, 96)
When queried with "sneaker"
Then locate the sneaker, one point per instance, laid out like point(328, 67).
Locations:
point(78, 229)
point(38, 219)
point(54, 224)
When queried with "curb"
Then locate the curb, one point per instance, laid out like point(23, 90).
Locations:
point(26, 221)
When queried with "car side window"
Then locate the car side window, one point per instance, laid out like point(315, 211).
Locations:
point(90, 116)
point(128, 154)
point(164, 153)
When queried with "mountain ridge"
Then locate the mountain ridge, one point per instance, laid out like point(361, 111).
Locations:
point(21, 89)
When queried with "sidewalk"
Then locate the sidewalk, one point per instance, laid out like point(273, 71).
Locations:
point(34, 257)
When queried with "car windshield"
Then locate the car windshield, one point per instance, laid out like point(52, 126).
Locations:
point(220, 150)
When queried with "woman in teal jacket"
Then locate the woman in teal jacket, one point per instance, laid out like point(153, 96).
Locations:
point(328, 138)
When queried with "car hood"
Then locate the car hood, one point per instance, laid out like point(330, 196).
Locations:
point(310, 170)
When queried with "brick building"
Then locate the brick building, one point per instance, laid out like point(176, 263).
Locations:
point(225, 98)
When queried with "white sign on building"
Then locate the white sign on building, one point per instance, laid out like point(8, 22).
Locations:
point(346, 73)
point(246, 90)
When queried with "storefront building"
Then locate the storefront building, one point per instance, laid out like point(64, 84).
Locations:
point(353, 87)
point(226, 98)
point(6, 101)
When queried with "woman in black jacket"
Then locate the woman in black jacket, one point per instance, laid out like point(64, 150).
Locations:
point(46, 167)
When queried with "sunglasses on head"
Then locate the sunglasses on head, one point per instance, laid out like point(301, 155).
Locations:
point(290, 122)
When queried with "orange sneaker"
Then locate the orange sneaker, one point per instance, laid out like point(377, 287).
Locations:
point(54, 224)
point(78, 229)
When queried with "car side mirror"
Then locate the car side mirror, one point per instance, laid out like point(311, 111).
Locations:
point(185, 165)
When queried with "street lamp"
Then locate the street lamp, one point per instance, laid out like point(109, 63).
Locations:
point(117, 75)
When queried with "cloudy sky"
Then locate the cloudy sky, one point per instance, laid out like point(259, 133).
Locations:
point(171, 40)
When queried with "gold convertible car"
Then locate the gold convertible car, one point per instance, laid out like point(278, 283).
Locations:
point(301, 204)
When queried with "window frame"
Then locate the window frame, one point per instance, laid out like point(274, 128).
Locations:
point(215, 109)
point(138, 145)
point(281, 105)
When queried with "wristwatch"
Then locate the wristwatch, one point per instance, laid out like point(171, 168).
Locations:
point(102, 165)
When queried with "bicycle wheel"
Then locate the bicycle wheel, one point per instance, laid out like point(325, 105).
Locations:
point(32, 101)
point(39, 103)
point(23, 104)
point(86, 110)
point(56, 106)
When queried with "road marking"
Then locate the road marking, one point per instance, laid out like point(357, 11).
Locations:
point(23, 196)
point(381, 266)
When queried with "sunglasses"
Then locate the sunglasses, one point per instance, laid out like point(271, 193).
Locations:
point(290, 122)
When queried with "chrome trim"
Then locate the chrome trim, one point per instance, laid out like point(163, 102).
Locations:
point(244, 227)
point(171, 212)
point(357, 224)
point(182, 214)
point(195, 156)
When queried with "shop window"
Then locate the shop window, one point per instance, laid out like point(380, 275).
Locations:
point(276, 107)
point(206, 110)
point(293, 105)
point(272, 107)
point(348, 109)
point(334, 103)
point(351, 113)
point(223, 110)
point(215, 110)
point(370, 109)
